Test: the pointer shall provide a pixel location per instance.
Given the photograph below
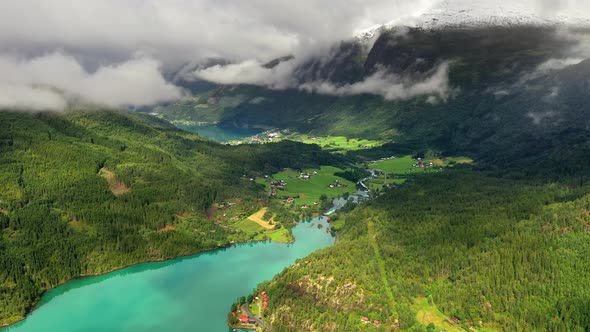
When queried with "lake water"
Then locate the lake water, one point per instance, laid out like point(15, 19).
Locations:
point(221, 134)
point(186, 294)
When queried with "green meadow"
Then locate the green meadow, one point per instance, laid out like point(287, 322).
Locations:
point(399, 166)
point(404, 165)
point(308, 191)
point(336, 143)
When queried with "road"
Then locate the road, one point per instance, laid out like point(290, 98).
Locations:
point(246, 311)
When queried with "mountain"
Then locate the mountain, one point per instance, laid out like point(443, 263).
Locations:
point(499, 246)
point(465, 14)
point(514, 92)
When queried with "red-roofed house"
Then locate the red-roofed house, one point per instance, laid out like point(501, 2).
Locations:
point(376, 322)
point(244, 319)
point(365, 319)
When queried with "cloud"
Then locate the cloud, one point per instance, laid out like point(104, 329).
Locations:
point(389, 86)
point(180, 31)
point(557, 64)
point(30, 98)
point(554, 8)
point(250, 72)
point(105, 43)
point(47, 81)
point(90, 48)
point(539, 118)
point(381, 83)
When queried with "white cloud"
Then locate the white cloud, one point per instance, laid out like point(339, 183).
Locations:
point(390, 87)
point(548, 67)
point(102, 39)
point(557, 64)
point(30, 98)
point(35, 83)
point(553, 8)
point(179, 31)
point(250, 72)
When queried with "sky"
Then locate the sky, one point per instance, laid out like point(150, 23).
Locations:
point(117, 52)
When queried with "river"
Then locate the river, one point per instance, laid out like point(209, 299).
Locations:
point(192, 293)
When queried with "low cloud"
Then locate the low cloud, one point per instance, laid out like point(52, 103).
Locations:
point(539, 118)
point(560, 8)
point(98, 58)
point(47, 82)
point(557, 64)
point(30, 98)
point(548, 67)
point(389, 86)
point(250, 72)
point(381, 83)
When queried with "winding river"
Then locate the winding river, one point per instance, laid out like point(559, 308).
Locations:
point(192, 293)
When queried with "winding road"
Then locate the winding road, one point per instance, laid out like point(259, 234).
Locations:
point(246, 311)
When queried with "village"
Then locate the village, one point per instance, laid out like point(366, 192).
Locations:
point(248, 315)
point(306, 188)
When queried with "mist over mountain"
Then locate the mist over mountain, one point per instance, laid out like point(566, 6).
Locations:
point(178, 38)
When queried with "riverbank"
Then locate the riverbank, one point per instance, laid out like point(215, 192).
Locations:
point(227, 245)
point(84, 278)
point(169, 295)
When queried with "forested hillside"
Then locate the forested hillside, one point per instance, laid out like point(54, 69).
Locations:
point(86, 192)
point(450, 251)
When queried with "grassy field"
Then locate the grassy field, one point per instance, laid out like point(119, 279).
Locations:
point(248, 226)
point(404, 165)
point(255, 308)
point(398, 166)
point(427, 314)
point(309, 191)
point(378, 183)
point(336, 143)
point(282, 235)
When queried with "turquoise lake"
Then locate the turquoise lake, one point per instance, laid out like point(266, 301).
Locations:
point(221, 134)
point(192, 293)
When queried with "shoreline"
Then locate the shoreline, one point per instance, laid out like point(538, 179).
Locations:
point(34, 306)
point(31, 309)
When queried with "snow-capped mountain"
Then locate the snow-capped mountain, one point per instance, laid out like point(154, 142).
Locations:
point(482, 13)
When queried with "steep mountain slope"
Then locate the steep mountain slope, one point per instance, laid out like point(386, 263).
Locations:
point(507, 97)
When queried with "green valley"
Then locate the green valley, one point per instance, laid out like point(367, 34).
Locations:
point(87, 192)
point(321, 169)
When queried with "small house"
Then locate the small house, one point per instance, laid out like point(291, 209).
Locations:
point(365, 320)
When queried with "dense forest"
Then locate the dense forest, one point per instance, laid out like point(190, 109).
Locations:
point(450, 251)
point(86, 192)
